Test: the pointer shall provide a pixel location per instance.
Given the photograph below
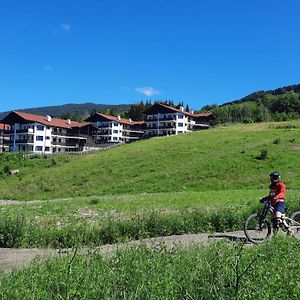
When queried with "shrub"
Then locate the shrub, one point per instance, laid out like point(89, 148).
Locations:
point(277, 141)
point(263, 154)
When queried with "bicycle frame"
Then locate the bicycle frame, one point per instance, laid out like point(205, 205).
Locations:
point(288, 222)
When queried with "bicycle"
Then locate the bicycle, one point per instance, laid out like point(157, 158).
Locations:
point(258, 227)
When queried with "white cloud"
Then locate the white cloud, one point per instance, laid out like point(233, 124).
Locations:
point(147, 91)
point(65, 27)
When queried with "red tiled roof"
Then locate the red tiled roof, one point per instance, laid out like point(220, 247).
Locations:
point(202, 115)
point(120, 120)
point(54, 121)
point(185, 112)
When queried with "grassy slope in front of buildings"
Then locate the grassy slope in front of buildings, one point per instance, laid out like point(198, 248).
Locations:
point(224, 158)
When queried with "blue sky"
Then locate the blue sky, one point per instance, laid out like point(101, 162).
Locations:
point(200, 52)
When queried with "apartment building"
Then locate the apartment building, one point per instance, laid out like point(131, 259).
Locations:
point(38, 134)
point(166, 120)
point(4, 129)
point(115, 129)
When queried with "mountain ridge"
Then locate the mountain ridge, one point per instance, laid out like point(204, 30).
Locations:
point(83, 108)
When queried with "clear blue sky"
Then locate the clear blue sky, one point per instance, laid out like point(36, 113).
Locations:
point(200, 52)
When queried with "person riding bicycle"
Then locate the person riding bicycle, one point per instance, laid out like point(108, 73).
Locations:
point(276, 198)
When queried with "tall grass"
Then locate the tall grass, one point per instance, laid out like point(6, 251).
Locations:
point(110, 230)
point(113, 219)
point(218, 271)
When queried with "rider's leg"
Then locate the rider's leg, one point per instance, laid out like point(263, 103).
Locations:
point(279, 209)
point(277, 219)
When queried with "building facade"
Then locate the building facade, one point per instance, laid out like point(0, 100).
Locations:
point(38, 134)
point(112, 129)
point(4, 137)
point(166, 120)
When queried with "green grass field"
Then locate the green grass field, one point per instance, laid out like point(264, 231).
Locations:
point(200, 182)
point(224, 158)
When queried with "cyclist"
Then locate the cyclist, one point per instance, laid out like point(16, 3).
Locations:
point(276, 199)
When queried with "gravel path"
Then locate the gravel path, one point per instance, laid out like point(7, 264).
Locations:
point(16, 258)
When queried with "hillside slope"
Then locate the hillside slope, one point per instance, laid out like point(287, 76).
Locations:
point(221, 158)
point(83, 109)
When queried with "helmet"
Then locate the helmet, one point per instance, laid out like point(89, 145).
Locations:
point(274, 177)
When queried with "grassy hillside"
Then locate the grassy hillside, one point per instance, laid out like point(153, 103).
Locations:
point(221, 158)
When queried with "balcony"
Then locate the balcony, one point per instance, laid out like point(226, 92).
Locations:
point(7, 142)
point(18, 141)
point(162, 127)
point(8, 132)
point(133, 131)
point(68, 135)
point(25, 131)
point(161, 120)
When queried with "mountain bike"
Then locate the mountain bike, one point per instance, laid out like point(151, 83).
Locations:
point(258, 227)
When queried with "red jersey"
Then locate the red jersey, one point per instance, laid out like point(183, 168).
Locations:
point(277, 192)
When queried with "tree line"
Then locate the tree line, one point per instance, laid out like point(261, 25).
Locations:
point(134, 112)
point(266, 108)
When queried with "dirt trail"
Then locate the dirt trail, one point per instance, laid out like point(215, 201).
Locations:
point(16, 258)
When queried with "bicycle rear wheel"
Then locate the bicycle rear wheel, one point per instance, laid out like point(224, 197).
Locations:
point(257, 230)
point(295, 224)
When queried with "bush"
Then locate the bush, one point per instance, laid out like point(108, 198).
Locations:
point(263, 155)
point(277, 141)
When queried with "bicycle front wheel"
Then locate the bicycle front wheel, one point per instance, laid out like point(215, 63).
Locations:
point(257, 230)
point(295, 224)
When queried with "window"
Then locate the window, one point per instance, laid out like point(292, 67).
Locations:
point(115, 131)
point(38, 148)
point(180, 116)
point(115, 138)
point(180, 124)
point(40, 127)
point(47, 149)
point(39, 138)
point(47, 137)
